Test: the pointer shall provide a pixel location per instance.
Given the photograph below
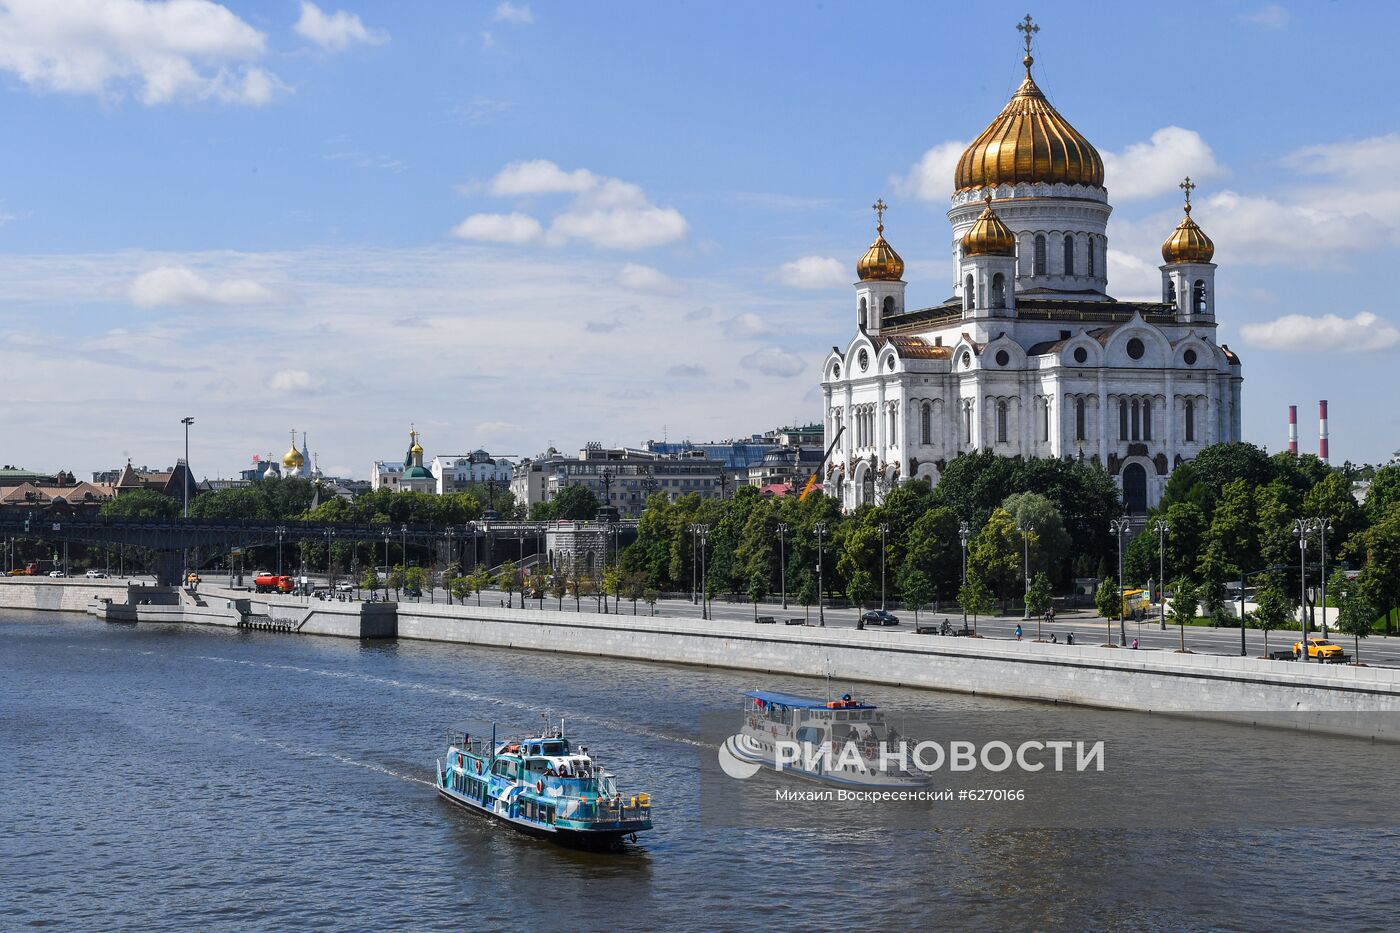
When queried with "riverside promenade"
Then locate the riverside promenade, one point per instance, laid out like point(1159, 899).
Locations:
point(1212, 686)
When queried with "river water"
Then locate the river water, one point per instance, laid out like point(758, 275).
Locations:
point(177, 777)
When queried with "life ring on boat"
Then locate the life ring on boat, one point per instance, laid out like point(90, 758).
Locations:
point(478, 766)
point(539, 786)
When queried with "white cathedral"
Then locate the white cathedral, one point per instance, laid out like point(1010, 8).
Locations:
point(1030, 356)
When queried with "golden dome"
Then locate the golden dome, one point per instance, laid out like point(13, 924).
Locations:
point(988, 236)
point(417, 448)
point(292, 459)
point(1188, 242)
point(880, 262)
point(1029, 142)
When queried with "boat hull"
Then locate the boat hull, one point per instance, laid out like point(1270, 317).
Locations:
point(607, 837)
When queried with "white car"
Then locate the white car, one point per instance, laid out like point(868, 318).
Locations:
point(344, 587)
point(56, 573)
point(96, 575)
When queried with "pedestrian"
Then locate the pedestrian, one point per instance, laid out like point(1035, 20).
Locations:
point(1134, 644)
point(1053, 639)
point(1018, 631)
point(1050, 614)
point(1069, 639)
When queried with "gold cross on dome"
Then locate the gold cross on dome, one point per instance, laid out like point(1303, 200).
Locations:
point(879, 207)
point(1188, 186)
point(1029, 28)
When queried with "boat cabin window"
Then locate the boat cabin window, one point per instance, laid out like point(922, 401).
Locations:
point(503, 768)
point(556, 748)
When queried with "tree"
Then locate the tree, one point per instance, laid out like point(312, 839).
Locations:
point(995, 555)
point(1356, 612)
point(416, 578)
point(933, 549)
point(141, 503)
point(758, 588)
point(975, 597)
point(916, 588)
point(1379, 549)
point(559, 585)
point(1184, 603)
point(395, 580)
point(370, 580)
point(1270, 610)
point(1212, 601)
point(1038, 598)
point(860, 590)
point(461, 588)
point(807, 595)
point(575, 503)
point(612, 583)
point(478, 580)
point(508, 579)
point(1050, 544)
point(1109, 602)
point(649, 596)
point(634, 585)
point(1233, 534)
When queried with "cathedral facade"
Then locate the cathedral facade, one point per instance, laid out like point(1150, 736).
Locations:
point(1030, 356)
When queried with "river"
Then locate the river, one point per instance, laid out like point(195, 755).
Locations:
point(176, 777)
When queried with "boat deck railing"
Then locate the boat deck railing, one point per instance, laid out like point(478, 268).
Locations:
point(615, 810)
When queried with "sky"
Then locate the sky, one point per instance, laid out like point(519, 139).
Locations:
point(517, 225)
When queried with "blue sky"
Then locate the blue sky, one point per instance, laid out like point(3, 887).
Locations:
point(523, 224)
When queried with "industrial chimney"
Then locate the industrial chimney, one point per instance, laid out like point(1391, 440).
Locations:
point(1322, 430)
point(1293, 430)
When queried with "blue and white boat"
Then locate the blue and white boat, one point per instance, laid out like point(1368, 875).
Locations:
point(542, 786)
point(838, 741)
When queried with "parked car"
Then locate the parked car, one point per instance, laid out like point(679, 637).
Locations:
point(345, 586)
point(96, 575)
point(1321, 648)
point(879, 617)
point(57, 573)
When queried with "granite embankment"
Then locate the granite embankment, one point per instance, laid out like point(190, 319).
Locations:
point(1209, 685)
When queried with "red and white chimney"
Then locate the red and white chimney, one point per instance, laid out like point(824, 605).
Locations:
point(1322, 430)
point(1293, 430)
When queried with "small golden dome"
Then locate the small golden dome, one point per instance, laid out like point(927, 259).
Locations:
point(417, 448)
point(1188, 242)
point(988, 236)
point(880, 262)
point(1029, 142)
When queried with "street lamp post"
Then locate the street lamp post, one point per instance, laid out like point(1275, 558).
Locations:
point(1119, 526)
point(703, 532)
point(884, 530)
point(403, 546)
point(386, 559)
point(1323, 525)
point(782, 560)
point(694, 563)
point(964, 535)
point(185, 484)
point(1302, 527)
point(281, 533)
point(330, 578)
point(1026, 530)
point(821, 588)
point(1161, 528)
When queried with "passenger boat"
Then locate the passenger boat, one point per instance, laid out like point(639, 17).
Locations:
point(839, 740)
point(542, 786)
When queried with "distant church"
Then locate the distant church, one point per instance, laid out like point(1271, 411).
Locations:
point(1030, 355)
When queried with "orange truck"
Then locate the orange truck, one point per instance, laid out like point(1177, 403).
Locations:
point(271, 583)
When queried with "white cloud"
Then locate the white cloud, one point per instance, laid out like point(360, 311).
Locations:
point(499, 228)
point(1146, 169)
point(1302, 333)
point(336, 31)
point(608, 213)
point(931, 178)
point(292, 380)
point(180, 286)
point(1270, 16)
point(494, 427)
point(182, 50)
point(744, 325)
point(1263, 230)
point(775, 361)
point(540, 176)
point(508, 12)
point(686, 371)
point(641, 278)
point(1133, 279)
point(814, 272)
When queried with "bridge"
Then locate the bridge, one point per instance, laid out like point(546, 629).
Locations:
point(167, 546)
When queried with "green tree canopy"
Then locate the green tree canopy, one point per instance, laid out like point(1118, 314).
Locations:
point(142, 503)
point(575, 503)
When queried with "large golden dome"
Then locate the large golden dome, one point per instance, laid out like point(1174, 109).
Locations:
point(988, 236)
point(293, 459)
point(880, 262)
point(1188, 242)
point(1029, 142)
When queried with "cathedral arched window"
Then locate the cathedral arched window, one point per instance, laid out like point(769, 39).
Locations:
point(1198, 297)
point(1001, 422)
point(888, 306)
point(1122, 419)
point(1137, 420)
point(969, 293)
point(894, 427)
point(1190, 420)
point(1038, 267)
point(861, 315)
point(1147, 419)
point(967, 423)
point(1171, 291)
point(1089, 252)
point(998, 291)
point(926, 424)
point(1069, 254)
point(1079, 434)
point(1045, 419)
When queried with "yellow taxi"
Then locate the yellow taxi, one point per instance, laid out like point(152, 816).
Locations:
point(1319, 647)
